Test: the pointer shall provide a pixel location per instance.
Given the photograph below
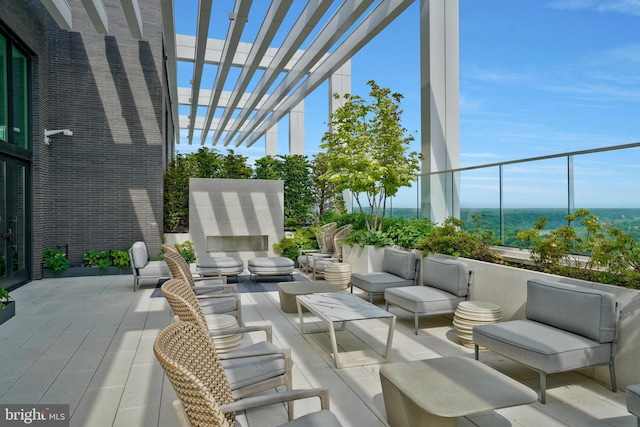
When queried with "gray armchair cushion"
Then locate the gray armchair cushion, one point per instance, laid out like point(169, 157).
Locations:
point(633, 399)
point(423, 299)
point(540, 346)
point(400, 263)
point(450, 275)
point(378, 282)
point(139, 254)
point(576, 309)
point(154, 269)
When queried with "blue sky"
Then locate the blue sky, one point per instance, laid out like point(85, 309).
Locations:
point(536, 77)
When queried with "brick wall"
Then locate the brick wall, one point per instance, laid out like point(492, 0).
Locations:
point(102, 188)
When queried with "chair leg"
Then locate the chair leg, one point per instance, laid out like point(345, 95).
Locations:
point(477, 351)
point(543, 388)
point(415, 323)
point(612, 372)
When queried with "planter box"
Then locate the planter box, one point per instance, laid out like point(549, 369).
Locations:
point(85, 271)
point(363, 259)
point(507, 287)
point(7, 312)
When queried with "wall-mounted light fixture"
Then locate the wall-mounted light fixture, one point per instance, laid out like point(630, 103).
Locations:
point(48, 133)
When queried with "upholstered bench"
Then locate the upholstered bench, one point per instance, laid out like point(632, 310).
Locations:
point(567, 327)
point(270, 266)
point(289, 290)
point(445, 283)
point(633, 400)
point(399, 268)
point(219, 266)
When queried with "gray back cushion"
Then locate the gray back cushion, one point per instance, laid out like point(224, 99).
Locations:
point(576, 309)
point(140, 255)
point(446, 274)
point(398, 262)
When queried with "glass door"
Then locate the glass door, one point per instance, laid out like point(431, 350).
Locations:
point(14, 265)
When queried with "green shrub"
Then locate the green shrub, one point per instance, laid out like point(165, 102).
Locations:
point(378, 239)
point(54, 259)
point(187, 251)
point(97, 259)
point(4, 298)
point(289, 247)
point(406, 233)
point(450, 239)
point(120, 258)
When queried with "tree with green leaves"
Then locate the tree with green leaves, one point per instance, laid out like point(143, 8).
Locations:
point(326, 196)
point(367, 151)
point(295, 171)
point(205, 163)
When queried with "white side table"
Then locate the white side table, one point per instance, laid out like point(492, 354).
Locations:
point(472, 313)
point(338, 274)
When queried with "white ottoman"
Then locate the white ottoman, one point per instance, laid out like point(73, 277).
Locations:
point(219, 266)
point(270, 266)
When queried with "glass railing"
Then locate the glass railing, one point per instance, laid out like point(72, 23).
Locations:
point(510, 196)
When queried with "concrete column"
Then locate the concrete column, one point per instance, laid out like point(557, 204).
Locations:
point(296, 129)
point(440, 107)
point(340, 83)
point(271, 141)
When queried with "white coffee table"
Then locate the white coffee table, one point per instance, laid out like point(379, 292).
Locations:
point(342, 307)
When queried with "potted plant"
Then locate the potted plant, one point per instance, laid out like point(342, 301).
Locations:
point(55, 260)
point(96, 259)
point(7, 306)
point(120, 259)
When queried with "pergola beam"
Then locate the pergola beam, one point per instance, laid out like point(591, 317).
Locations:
point(239, 19)
point(336, 27)
point(375, 22)
point(307, 21)
point(202, 32)
point(270, 25)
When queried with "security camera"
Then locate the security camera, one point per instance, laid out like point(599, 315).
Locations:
point(48, 133)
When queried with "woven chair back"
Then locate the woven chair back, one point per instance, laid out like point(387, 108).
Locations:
point(179, 268)
point(166, 247)
point(192, 365)
point(338, 238)
point(320, 233)
point(184, 303)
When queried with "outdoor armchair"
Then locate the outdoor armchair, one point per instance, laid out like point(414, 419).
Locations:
point(319, 262)
point(210, 292)
point(324, 237)
point(205, 389)
point(142, 267)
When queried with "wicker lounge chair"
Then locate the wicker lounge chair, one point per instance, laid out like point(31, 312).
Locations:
point(205, 389)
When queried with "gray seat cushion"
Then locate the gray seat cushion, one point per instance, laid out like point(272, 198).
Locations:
point(542, 347)
point(633, 399)
point(154, 269)
point(423, 299)
point(450, 275)
point(270, 265)
point(218, 305)
point(400, 263)
point(378, 282)
point(250, 370)
point(583, 311)
point(139, 254)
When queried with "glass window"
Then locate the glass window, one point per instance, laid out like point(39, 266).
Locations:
point(14, 94)
point(19, 99)
point(4, 98)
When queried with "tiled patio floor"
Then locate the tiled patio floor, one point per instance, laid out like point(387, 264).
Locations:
point(87, 342)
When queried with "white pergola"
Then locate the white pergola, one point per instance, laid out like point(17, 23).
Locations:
point(316, 47)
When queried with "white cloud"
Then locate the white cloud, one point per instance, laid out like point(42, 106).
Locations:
point(627, 7)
